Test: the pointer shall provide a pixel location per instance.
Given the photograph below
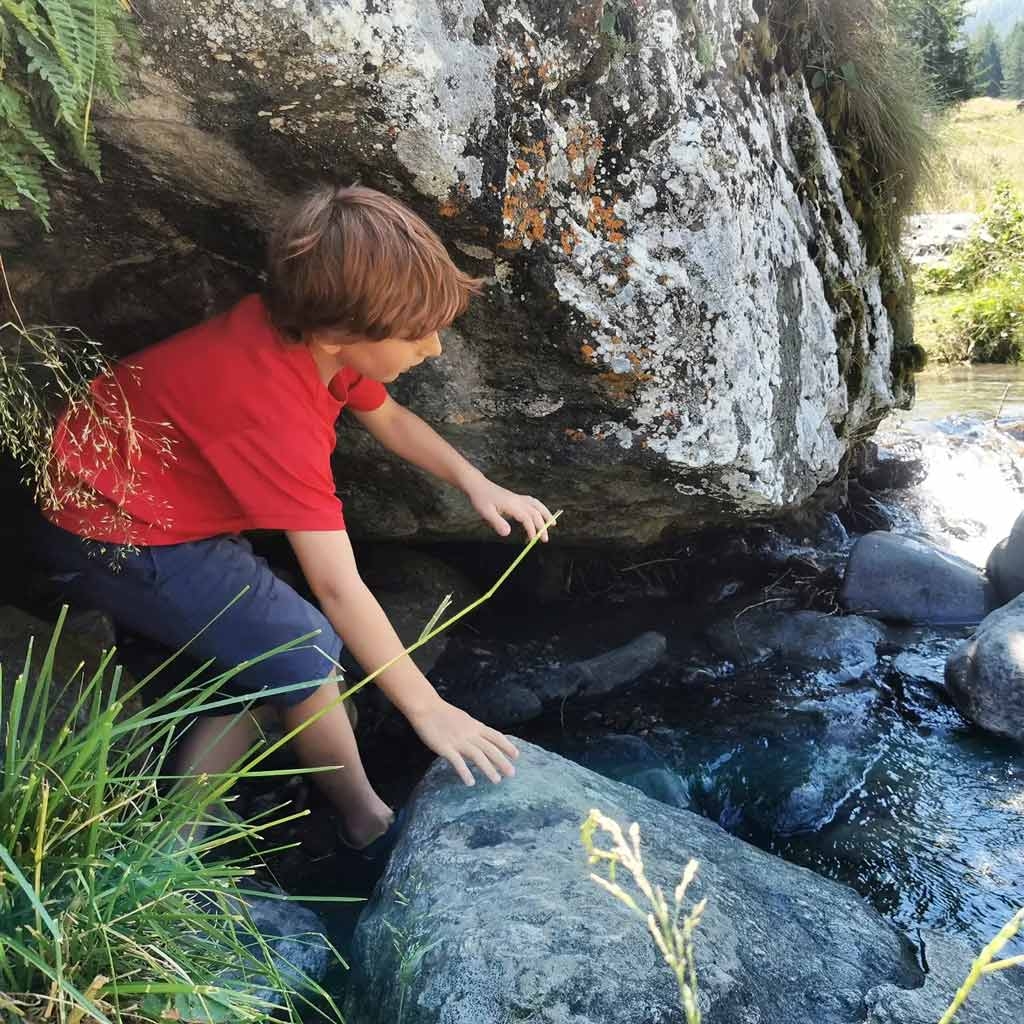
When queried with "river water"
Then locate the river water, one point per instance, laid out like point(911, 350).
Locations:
point(875, 780)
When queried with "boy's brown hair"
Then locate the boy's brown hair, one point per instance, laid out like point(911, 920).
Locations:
point(357, 261)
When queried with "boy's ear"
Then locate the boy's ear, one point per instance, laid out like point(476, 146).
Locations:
point(325, 341)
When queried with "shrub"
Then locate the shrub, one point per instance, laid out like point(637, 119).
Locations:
point(994, 250)
point(978, 293)
point(988, 326)
point(56, 58)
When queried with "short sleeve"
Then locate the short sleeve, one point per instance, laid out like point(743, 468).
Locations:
point(277, 482)
point(366, 394)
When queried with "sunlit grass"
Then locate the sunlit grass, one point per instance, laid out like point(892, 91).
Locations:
point(981, 141)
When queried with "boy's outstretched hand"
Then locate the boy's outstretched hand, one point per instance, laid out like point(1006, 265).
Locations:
point(493, 503)
point(458, 737)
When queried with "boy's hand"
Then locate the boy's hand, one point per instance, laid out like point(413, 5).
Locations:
point(493, 503)
point(456, 736)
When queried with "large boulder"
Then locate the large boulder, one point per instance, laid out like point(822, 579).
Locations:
point(985, 674)
point(901, 579)
point(681, 325)
point(497, 920)
point(1005, 566)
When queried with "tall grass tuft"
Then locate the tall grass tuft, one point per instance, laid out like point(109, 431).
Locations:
point(869, 89)
point(107, 910)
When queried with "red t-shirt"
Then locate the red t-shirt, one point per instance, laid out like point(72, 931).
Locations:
point(222, 428)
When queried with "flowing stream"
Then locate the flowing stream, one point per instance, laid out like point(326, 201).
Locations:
point(875, 780)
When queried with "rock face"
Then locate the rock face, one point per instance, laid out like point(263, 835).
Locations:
point(681, 325)
point(900, 579)
point(986, 674)
point(500, 921)
point(1005, 566)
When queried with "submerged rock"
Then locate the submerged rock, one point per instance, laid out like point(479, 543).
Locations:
point(844, 644)
point(1005, 566)
point(900, 579)
point(633, 762)
point(601, 675)
point(506, 698)
point(985, 675)
point(681, 324)
point(498, 910)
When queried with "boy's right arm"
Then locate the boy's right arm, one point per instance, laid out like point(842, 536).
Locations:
point(329, 566)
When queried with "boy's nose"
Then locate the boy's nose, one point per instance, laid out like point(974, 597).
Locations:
point(432, 346)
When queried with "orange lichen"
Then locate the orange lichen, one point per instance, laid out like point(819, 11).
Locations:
point(575, 435)
point(569, 239)
point(522, 208)
point(602, 219)
point(588, 352)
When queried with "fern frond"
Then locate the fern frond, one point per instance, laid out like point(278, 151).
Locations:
point(45, 63)
point(65, 36)
point(22, 178)
point(56, 58)
point(15, 113)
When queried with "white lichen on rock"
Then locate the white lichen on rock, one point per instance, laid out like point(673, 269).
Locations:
point(614, 152)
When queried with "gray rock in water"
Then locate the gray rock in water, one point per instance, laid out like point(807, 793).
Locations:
point(900, 579)
point(634, 762)
point(1005, 566)
point(295, 938)
point(985, 675)
point(502, 923)
point(602, 674)
point(846, 644)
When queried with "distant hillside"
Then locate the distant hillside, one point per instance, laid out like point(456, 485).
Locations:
point(1001, 13)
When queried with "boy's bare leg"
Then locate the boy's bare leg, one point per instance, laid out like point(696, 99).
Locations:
point(211, 745)
point(330, 741)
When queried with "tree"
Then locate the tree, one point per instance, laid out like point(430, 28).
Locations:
point(1013, 61)
point(935, 30)
point(988, 62)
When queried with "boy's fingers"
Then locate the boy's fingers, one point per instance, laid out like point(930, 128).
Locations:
point(456, 761)
point(501, 526)
point(501, 741)
point(482, 761)
point(496, 757)
point(540, 526)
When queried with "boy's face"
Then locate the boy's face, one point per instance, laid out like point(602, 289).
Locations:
point(385, 360)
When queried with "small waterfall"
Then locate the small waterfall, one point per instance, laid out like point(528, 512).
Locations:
point(973, 489)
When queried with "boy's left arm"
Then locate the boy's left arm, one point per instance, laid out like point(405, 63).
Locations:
point(404, 433)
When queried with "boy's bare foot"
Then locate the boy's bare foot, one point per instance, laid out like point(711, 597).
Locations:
point(360, 828)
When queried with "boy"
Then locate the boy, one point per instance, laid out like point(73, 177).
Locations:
point(229, 427)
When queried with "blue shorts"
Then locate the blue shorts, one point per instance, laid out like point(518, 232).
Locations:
point(172, 596)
